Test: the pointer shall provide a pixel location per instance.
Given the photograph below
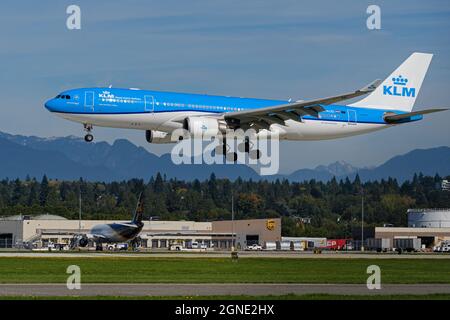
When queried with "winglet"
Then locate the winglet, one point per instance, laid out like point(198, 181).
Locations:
point(371, 86)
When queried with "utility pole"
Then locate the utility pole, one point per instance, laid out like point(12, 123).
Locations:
point(362, 219)
point(232, 222)
point(79, 211)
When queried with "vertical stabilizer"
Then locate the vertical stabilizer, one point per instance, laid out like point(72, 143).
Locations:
point(137, 217)
point(400, 90)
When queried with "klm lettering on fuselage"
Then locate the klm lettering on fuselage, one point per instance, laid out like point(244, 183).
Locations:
point(399, 88)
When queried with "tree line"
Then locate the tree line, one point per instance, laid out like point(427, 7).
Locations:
point(310, 208)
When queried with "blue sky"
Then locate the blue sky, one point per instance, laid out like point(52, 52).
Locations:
point(267, 49)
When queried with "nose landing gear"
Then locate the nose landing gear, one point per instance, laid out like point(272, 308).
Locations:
point(88, 137)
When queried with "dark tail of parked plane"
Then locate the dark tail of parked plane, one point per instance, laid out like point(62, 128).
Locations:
point(137, 217)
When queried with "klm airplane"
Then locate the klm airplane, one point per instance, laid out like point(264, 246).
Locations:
point(388, 103)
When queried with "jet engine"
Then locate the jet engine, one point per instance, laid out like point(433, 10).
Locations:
point(83, 242)
point(204, 126)
point(79, 240)
point(154, 136)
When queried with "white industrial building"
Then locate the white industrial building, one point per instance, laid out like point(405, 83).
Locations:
point(15, 231)
point(432, 226)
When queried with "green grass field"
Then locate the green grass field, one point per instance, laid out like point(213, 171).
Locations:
point(222, 270)
point(281, 297)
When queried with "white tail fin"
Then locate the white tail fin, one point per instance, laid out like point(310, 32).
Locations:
point(399, 91)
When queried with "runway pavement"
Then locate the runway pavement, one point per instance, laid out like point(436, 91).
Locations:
point(159, 289)
point(226, 254)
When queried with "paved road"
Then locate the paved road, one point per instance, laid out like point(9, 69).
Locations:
point(244, 254)
point(214, 289)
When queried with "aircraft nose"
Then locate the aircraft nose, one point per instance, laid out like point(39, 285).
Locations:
point(51, 105)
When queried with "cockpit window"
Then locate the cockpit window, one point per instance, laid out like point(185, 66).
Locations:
point(62, 96)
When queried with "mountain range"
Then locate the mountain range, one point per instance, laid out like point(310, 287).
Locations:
point(69, 158)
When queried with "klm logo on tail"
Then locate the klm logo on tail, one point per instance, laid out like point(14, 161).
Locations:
point(399, 88)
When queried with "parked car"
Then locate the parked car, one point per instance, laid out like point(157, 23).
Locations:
point(176, 247)
point(117, 246)
point(254, 247)
point(196, 245)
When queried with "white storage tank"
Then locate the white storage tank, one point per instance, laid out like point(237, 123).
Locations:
point(429, 218)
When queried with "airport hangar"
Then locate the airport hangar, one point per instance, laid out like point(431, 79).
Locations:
point(15, 231)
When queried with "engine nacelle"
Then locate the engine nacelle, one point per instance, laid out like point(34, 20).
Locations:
point(154, 136)
point(83, 242)
point(204, 126)
point(79, 240)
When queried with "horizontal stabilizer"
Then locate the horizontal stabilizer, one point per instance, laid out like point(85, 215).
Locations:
point(393, 118)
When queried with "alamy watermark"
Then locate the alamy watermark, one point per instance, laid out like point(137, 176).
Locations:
point(373, 22)
point(73, 21)
point(374, 280)
point(74, 279)
point(232, 147)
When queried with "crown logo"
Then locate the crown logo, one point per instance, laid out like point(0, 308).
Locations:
point(400, 81)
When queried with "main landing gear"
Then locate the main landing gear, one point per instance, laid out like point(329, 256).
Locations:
point(223, 149)
point(88, 137)
point(246, 147)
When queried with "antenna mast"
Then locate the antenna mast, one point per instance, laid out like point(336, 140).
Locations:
point(79, 211)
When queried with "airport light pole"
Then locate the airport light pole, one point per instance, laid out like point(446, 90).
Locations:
point(79, 211)
point(362, 219)
point(232, 222)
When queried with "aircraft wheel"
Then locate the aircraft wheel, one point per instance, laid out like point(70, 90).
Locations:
point(255, 154)
point(219, 149)
point(232, 156)
point(245, 146)
point(89, 137)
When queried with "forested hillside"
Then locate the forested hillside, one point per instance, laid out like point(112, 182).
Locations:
point(334, 206)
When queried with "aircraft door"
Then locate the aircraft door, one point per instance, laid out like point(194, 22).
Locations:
point(89, 100)
point(149, 103)
point(351, 117)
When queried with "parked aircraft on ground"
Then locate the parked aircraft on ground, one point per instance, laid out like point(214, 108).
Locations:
point(112, 232)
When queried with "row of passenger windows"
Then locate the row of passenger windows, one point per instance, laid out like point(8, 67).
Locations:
point(197, 106)
point(63, 96)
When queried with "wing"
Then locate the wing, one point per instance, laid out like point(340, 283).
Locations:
point(97, 237)
point(262, 118)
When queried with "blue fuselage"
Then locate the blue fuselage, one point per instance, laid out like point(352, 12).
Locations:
point(153, 110)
